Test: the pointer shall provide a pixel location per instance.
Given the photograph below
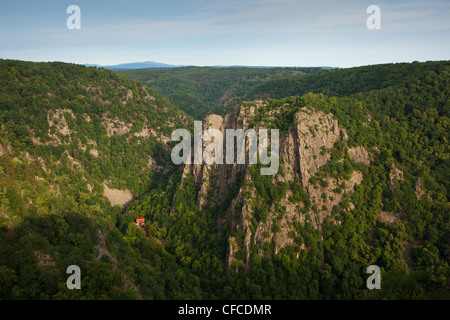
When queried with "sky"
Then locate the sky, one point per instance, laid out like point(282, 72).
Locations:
point(226, 32)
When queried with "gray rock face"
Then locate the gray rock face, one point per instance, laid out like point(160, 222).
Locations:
point(315, 131)
point(302, 154)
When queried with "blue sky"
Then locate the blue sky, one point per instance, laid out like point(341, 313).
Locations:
point(226, 32)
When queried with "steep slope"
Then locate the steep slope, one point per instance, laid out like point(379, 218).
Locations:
point(304, 149)
point(363, 180)
point(344, 82)
point(200, 91)
point(85, 118)
point(349, 194)
point(76, 144)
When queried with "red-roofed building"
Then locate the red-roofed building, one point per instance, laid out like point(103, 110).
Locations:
point(140, 223)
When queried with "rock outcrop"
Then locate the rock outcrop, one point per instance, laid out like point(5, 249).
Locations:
point(44, 260)
point(419, 190)
point(304, 149)
point(117, 197)
point(360, 155)
point(395, 176)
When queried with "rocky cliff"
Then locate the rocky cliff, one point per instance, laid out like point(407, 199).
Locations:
point(304, 149)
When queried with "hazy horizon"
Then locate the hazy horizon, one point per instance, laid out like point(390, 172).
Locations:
point(285, 33)
point(219, 66)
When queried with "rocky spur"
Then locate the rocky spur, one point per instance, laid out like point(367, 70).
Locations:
point(210, 146)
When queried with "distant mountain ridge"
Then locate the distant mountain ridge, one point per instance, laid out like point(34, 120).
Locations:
point(159, 65)
point(135, 65)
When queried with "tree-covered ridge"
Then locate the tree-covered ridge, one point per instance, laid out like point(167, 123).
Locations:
point(67, 133)
point(200, 91)
point(397, 217)
point(108, 124)
point(348, 81)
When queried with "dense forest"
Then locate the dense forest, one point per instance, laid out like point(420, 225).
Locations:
point(69, 132)
point(345, 82)
point(200, 91)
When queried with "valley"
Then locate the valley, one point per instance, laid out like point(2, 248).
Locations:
point(363, 176)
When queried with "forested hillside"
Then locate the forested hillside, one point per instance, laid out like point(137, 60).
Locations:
point(200, 91)
point(344, 82)
point(74, 141)
point(363, 180)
